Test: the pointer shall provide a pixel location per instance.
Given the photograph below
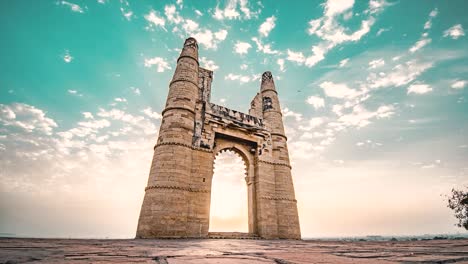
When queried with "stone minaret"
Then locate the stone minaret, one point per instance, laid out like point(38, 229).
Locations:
point(286, 208)
point(165, 208)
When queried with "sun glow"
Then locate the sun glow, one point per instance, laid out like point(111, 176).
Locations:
point(228, 210)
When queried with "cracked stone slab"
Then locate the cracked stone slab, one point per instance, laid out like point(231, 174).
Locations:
point(192, 251)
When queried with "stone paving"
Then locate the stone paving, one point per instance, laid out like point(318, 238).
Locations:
point(192, 251)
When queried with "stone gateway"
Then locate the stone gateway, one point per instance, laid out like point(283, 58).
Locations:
point(193, 131)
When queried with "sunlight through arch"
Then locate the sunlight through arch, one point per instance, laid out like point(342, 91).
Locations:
point(229, 205)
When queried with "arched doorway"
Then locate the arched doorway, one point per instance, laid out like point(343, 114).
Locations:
point(229, 203)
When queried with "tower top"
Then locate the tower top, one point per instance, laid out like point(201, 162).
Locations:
point(267, 82)
point(191, 42)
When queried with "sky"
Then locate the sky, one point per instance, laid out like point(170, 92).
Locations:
point(374, 97)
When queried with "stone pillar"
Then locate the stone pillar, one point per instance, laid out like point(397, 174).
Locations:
point(284, 197)
point(165, 206)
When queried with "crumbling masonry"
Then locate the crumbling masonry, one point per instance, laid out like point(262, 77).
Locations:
point(193, 130)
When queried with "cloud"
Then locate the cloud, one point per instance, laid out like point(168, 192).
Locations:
point(172, 14)
point(121, 100)
point(335, 7)
point(26, 117)
point(361, 117)
point(208, 64)
point(265, 48)
point(455, 32)
point(135, 90)
point(267, 26)
point(312, 123)
point(419, 89)
point(280, 62)
point(73, 7)
point(198, 12)
point(242, 47)
point(234, 9)
point(376, 63)
point(316, 102)
point(67, 58)
point(155, 20)
point(399, 75)
point(420, 44)
point(237, 77)
point(288, 113)
point(297, 57)
point(382, 30)
point(149, 112)
point(343, 62)
point(338, 90)
point(432, 14)
point(459, 84)
point(88, 115)
point(244, 66)
point(161, 64)
point(209, 39)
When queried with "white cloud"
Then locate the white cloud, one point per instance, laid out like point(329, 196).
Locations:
point(361, 117)
point(297, 57)
point(267, 26)
point(73, 7)
point(313, 123)
point(241, 78)
point(287, 113)
point(149, 112)
point(318, 55)
point(265, 48)
point(244, 66)
point(190, 26)
point(242, 47)
point(234, 9)
point(382, 30)
point(88, 115)
point(459, 84)
point(419, 88)
point(161, 64)
point(208, 64)
point(121, 100)
point(172, 14)
point(335, 7)
point(316, 102)
point(221, 35)
point(343, 62)
point(400, 75)
point(420, 44)
point(72, 91)
point(26, 117)
point(455, 32)
point(376, 63)
point(67, 58)
point(434, 13)
point(280, 62)
point(135, 90)
point(209, 39)
point(155, 20)
point(338, 90)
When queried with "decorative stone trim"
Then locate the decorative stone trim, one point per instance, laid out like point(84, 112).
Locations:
point(187, 189)
point(278, 134)
point(183, 145)
point(183, 80)
point(275, 163)
point(272, 90)
point(177, 108)
point(278, 198)
point(186, 56)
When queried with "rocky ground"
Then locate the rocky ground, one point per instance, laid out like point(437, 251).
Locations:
point(18, 250)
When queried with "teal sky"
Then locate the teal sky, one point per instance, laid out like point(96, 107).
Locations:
point(374, 97)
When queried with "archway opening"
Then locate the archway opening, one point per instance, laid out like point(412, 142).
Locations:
point(229, 201)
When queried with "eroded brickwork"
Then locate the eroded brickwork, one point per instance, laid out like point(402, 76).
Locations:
point(193, 130)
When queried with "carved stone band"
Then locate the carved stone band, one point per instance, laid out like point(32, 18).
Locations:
point(177, 108)
point(278, 198)
point(275, 163)
point(183, 145)
point(187, 189)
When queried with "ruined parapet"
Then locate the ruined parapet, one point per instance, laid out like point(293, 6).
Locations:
point(256, 106)
point(239, 118)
